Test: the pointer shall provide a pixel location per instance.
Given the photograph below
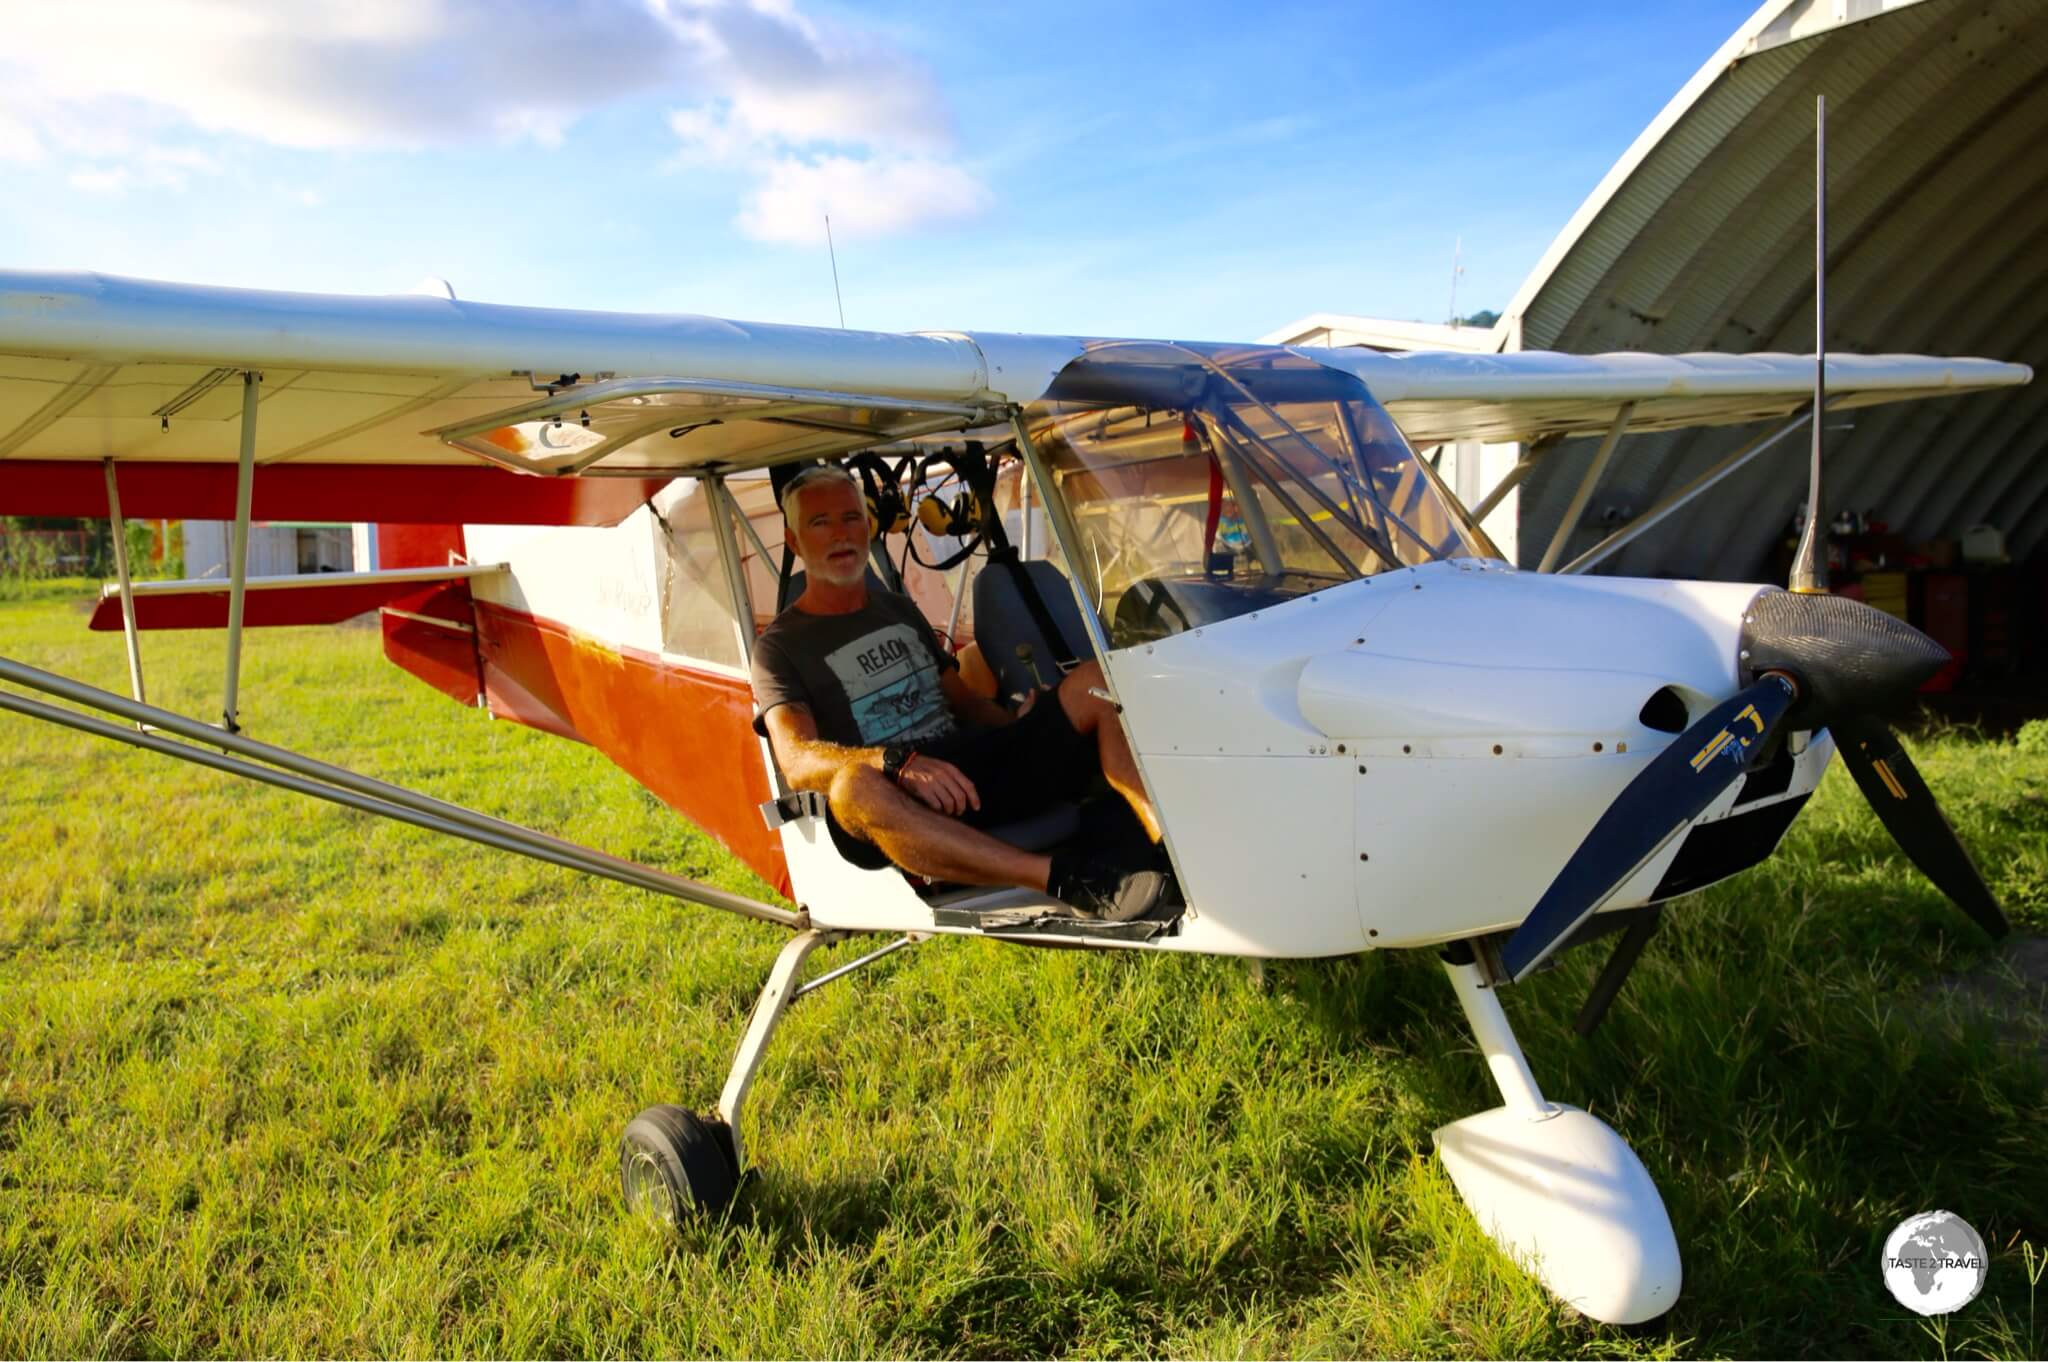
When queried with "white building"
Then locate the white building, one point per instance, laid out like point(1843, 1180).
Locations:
point(275, 549)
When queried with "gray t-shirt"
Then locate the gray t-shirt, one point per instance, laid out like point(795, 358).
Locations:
point(868, 678)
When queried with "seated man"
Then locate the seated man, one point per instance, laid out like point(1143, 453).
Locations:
point(861, 703)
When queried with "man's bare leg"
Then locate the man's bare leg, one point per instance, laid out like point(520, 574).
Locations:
point(926, 842)
point(1096, 717)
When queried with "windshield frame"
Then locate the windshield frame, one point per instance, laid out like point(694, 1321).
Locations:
point(1347, 477)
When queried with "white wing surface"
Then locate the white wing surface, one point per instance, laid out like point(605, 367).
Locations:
point(95, 367)
point(1439, 396)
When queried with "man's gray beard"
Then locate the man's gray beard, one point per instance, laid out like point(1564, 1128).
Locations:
point(856, 573)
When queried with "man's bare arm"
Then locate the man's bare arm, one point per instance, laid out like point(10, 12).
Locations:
point(808, 762)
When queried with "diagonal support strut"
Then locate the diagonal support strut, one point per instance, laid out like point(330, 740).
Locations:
point(238, 547)
point(277, 766)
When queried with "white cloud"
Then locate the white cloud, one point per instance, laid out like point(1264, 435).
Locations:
point(824, 117)
point(784, 78)
point(863, 198)
point(18, 141)
point(708, 136)
point(100, 181)
point(149, 167)
point(825, 120)
point(346, 73)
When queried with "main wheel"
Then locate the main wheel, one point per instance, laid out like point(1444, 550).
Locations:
point(674, 1163)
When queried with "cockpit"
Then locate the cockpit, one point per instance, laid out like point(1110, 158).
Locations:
point(1204, 482)
point(1159, 488)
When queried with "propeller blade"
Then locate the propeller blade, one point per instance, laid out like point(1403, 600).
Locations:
point(1669, 793)
point(1615, 974)
point(1906, 807)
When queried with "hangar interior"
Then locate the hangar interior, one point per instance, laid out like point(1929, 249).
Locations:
point(1701, 238)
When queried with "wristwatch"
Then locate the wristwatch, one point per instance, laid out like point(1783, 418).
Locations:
point(894, 758)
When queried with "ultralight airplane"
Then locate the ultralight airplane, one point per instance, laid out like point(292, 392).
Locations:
point(577, 529)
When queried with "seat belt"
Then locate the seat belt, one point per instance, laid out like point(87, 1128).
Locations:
point(1215, 514)
point(887, 509)
point(1005, 556)
point(979, 470)
point(779, 478)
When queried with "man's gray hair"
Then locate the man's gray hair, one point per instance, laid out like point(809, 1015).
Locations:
point(810, 477)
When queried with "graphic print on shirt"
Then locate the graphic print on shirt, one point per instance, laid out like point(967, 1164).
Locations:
point(892, 686)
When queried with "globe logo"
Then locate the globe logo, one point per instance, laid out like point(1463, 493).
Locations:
point(1934, 1263)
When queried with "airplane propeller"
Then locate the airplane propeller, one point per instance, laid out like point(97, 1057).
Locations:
point(1658, 804)
point(1818, 661)
point(1906, 807)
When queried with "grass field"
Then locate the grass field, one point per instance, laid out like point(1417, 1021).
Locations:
point(277, 1078)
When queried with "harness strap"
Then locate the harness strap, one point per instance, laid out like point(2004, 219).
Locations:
point(1215, 516)
point(779, 478)
point(1006, 556)
point(979, 471)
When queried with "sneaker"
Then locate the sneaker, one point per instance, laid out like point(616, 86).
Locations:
point(1106, 892)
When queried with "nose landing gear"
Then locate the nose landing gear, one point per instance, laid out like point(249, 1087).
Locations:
point(1554, 1186)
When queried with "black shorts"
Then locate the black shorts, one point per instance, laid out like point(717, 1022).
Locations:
point(1019, 770)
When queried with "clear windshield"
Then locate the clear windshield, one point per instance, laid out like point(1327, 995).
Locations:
point(1207, 482)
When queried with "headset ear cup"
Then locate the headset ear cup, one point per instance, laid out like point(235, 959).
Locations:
point(888, 513)
point(932, 514)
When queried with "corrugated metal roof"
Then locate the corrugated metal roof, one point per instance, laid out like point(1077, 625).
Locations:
point(1700, 239)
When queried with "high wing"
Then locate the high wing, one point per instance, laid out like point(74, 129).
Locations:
point(427, 409)
point(1439, 396)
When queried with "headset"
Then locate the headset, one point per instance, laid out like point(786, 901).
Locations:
point(964, 517)
point(953, 520)
point(882, 488)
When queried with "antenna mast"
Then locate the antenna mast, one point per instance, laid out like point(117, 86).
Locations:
point(1810, 562)
point(1457, 268)
point(833, 255)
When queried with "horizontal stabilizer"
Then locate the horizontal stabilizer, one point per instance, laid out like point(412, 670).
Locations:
point(410, 494)
point(324, 598)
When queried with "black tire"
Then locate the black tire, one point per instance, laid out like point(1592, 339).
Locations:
point(674, 1164)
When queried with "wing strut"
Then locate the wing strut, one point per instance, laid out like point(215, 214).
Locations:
point(1649, 519)
point(1584, 493)
point(238, 546)
point(1512, 478)
point(303, 775)
point(119, 527)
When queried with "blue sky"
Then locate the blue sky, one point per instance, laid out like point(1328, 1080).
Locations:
point(1205, 171)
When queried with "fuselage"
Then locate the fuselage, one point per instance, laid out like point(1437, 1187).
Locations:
point(1401, 759)
point(1360, 727)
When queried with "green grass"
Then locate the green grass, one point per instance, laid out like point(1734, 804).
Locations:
point(278, 1078)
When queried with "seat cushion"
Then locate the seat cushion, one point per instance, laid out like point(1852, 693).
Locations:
point(1012, 644)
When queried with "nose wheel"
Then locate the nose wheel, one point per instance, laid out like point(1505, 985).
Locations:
point(1557, 1189)
point(674, 1163)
